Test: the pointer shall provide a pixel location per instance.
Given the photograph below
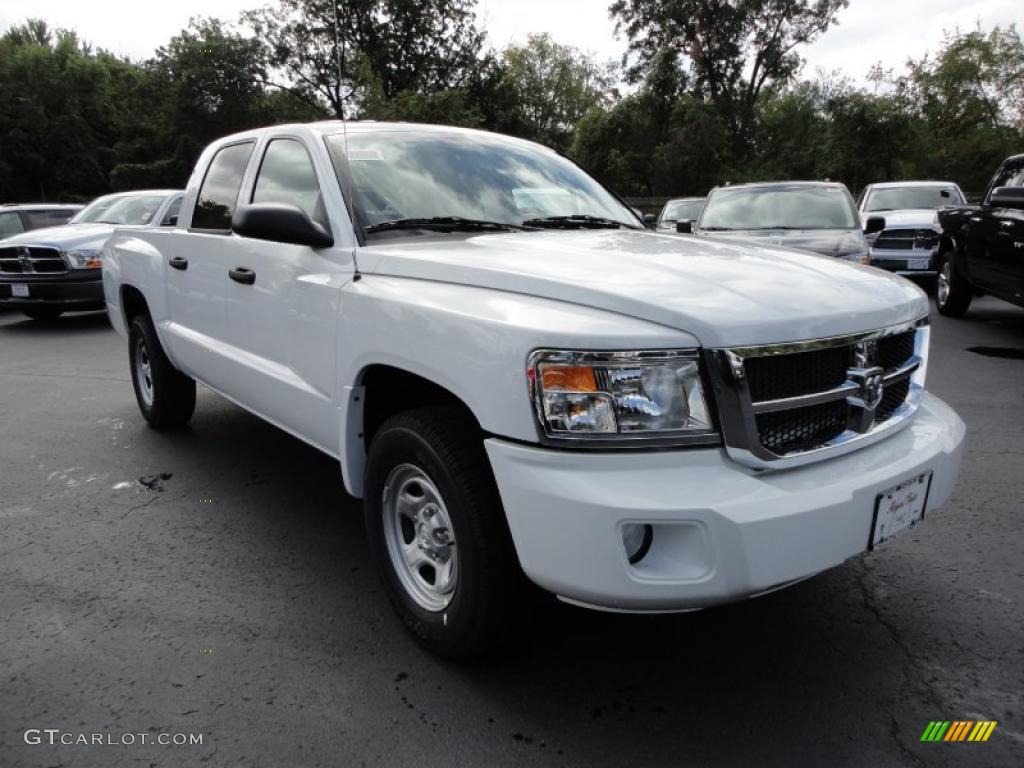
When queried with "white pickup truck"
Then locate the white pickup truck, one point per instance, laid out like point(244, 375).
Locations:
point(519, 380)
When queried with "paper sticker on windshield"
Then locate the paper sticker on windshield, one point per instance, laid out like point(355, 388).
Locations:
point(365, 154)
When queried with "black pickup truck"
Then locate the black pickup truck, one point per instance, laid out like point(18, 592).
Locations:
point(981, 249)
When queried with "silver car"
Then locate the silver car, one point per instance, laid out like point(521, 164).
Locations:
point(676, 210)
point(816, 216)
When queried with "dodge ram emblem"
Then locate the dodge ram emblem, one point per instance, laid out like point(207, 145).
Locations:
point(25, 259)
point(870, 387)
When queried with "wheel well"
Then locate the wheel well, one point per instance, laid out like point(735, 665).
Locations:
point(388, 390)
point(133, 303)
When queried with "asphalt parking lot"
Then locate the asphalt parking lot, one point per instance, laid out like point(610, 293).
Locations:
point(214, 581)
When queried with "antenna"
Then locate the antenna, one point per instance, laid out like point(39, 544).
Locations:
point(347, 192)
point(337, 57)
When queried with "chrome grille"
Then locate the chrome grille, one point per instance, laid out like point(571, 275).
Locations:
point(786, 404)
point(906, 239)
point(31, 260)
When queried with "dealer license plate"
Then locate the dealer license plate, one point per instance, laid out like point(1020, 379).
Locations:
point(919, 263)
point(899, 509)
point(19, 290)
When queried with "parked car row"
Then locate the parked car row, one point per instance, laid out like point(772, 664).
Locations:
point(911, 228)
point(54, 269)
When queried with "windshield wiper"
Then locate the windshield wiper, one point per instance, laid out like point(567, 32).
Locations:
point(575, 221)
point(445, 224)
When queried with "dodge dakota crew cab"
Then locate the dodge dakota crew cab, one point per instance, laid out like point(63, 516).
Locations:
point(982, 246)
point(524, 385)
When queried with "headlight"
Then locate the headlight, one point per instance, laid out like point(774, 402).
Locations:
point(85, 259)
point(620, 397)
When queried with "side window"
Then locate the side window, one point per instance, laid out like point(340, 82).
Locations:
point(10, 224)
point(171, 216)
point(218, 194)
point(287, 176)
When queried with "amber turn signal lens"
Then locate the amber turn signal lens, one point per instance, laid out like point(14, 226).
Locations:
point(567, 378)
point(94, 264)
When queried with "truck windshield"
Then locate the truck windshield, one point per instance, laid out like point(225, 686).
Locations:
point(682, 210)
point(119, 209)
point(421, 177)
point(784, 207)
point(903, 198)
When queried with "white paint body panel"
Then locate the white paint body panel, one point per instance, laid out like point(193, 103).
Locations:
point(465, 312)
point(733, 532)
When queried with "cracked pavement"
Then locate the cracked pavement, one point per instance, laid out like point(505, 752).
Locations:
point(235, 599)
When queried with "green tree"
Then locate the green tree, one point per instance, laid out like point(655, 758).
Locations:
point(731, 50)
point(390, 47)
point(970, 96)
point(552, 86)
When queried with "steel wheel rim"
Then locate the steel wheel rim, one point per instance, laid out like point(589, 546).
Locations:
point(420, 538)
point(144, 372)
point(942, 289)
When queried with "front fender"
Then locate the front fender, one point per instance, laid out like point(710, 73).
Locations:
point(473, 342)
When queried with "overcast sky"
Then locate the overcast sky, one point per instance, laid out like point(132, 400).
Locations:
point(869, 31)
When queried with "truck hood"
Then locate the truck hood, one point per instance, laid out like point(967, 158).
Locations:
point(910, 218)
point(827, 242)
point(65, 237)
point(724, 294)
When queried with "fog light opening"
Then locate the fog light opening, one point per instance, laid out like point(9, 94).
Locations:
point(637, 538)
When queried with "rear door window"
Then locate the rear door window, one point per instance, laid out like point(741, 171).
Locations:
point(218, 195)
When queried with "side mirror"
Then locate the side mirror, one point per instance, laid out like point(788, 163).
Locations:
point(649, 219)
point(1007, 197)
point(684, 227)
point(874, 224)
point(280, 223)
point(172, 221)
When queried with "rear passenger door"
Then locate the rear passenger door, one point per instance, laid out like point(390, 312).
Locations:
point(283, 324)
point(196, 270)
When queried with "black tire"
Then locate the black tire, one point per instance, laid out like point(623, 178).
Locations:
point(953, 293)
point(43, 313)
point(490, 594)
point(166, 396)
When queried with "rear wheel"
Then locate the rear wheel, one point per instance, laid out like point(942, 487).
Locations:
point(438, 533)
point(952, 291)
point(43, 313)
point(166, 396)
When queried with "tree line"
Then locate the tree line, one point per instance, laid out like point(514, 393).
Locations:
point(709, 91)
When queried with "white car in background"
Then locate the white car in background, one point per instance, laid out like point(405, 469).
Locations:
point(900, 225)
point(47, 272)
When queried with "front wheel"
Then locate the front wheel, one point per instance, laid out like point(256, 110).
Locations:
point(438, 532)
point(952, 291)
point(166, 396)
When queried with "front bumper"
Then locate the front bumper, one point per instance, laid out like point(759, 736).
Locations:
point(75, 290)
point(722, 531)
point(903, 262)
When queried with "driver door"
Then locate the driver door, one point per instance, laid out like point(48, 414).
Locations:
point(282, 303)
